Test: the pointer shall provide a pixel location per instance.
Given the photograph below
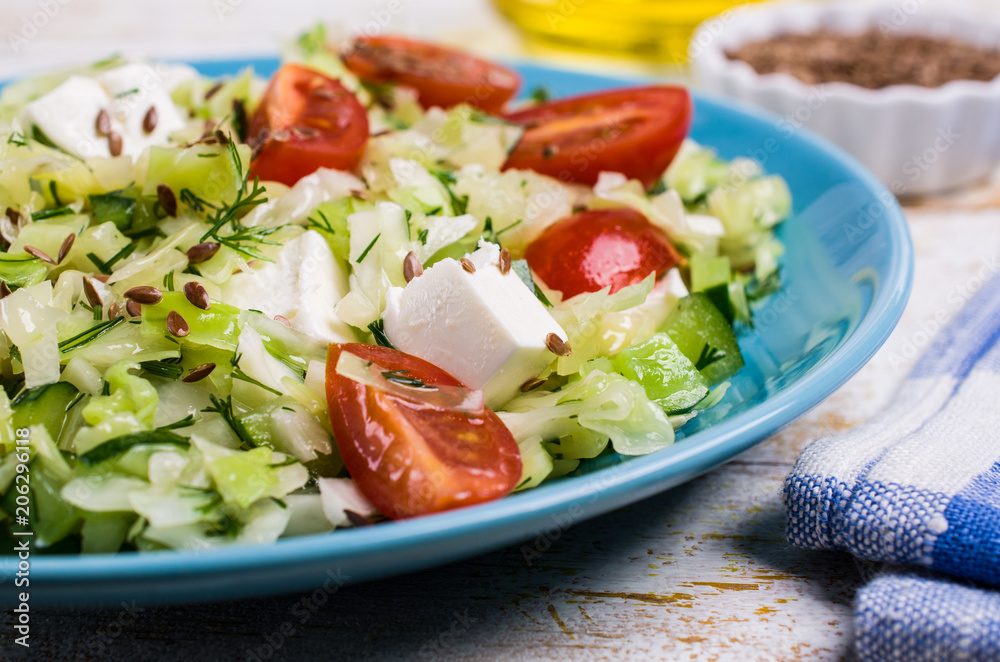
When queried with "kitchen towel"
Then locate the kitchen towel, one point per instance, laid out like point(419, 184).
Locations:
point(919, 485)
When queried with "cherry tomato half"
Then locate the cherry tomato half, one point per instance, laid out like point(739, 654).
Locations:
point(441, 76)
point(594, 249)
point(306, 121)
point(410, 457)
point(636, 132)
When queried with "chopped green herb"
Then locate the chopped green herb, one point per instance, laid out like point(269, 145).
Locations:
point(458, 204)
point(405, 378)
point(185, 422)
point(364, 253)
point(241, 239)
point(708, 356)
point(378, 330)
point(106, 267)
point(90, 335)
point(523, 271)
point(63, 210)
point(244, 377)
point(193, 201)
point(539, 94)
point(120, 445)
point(166, 368)
point(224, 408)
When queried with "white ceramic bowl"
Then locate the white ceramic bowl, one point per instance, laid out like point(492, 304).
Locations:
point(916, 140)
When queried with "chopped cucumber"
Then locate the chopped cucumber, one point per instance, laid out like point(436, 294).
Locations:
point(44, 405)
point(21, 270)
point(669, 378)
point(704, 336)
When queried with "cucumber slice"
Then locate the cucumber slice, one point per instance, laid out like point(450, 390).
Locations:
point(707, 272)
point(44, 405)
point(669, 378)
point(705, 337)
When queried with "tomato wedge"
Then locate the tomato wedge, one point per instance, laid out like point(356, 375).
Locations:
point(636, 132)
point(441, 76)
point(412, 455)
point(305, 121)
point(596, 249)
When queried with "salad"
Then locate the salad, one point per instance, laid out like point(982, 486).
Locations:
point(372, 286)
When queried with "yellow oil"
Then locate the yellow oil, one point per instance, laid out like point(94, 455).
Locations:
point(654, 30)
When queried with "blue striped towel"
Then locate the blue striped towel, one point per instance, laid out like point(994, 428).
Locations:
point(919, 485)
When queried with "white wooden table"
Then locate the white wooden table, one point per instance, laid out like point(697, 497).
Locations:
point(700, 572)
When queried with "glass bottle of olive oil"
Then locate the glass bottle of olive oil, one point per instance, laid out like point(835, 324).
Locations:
point(655, 30)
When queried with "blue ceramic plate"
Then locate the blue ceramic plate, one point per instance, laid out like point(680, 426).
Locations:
point(847, 275)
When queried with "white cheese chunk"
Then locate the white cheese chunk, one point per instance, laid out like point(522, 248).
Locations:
point(485, 328)
point(303, 285)
point(68, 114)
point(135, 89)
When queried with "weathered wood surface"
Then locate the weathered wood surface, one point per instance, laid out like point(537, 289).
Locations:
point(699, 572)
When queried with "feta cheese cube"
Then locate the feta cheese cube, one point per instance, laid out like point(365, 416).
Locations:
point(485, 328)
point(135, 89)
point(303, 285)
point(68, 114)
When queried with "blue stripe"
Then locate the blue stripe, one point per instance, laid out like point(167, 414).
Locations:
point(971, 545)
point(976, 328)
point(921, 618)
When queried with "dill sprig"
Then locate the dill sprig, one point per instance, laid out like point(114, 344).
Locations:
point(708, 356)
point(241, 238)
point(224, 408)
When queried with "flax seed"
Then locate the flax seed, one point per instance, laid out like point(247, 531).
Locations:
point(557, 345)
point(67, 245)
point(199, 373)
point(505, 261)
point(150, 120)
point(412, 267)
point(176, 325)
point(103, 123)
point(115, 143)
point(168, 201)
point(40, 254)
point(202, 252)
point(197, 295)
point(145, 295)
point(93, 296)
